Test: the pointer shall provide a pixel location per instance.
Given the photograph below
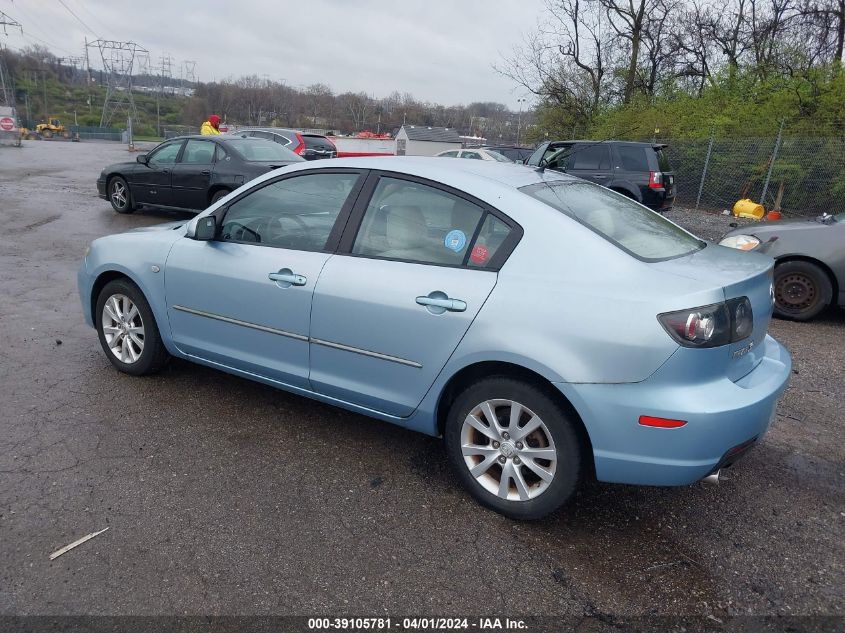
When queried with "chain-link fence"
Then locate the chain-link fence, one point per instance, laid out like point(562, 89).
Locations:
point(800, 176)
point(172, 131)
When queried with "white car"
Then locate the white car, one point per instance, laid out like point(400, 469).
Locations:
point(476, 154)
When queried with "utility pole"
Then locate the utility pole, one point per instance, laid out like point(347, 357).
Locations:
point(519, 119)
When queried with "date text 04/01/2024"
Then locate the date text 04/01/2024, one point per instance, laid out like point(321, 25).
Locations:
point(415, 624)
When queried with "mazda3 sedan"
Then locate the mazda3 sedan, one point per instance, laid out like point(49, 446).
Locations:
point(547, 328)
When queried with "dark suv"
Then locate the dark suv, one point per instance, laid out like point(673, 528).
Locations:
point(309, 146)
point(638, 170)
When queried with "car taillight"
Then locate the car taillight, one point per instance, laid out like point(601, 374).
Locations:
point(301, 147)
point(655, 180)
point(712, 325)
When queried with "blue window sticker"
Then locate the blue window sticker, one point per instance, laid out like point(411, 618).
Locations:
point(455, 240)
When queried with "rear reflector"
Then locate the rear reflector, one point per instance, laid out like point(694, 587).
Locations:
point(661, 423)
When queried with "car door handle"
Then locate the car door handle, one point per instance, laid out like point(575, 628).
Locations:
point(165, 171)
point(206, 172)
point(452, 305)
point(285, 276)
point(600, 176)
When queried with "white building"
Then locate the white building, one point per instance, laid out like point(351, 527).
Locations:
point(419, 140)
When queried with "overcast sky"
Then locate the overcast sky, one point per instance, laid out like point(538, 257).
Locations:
point(438, 50)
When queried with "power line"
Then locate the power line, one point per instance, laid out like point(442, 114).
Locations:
point(91, 14)
point(62, 2)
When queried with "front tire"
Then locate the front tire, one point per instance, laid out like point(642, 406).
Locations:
point(513, 447)
point(120, 196)
point(802, 290)
point(127, 329)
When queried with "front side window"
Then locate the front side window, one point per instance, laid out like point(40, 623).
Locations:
point(198, 152)
point(166, 154)
point(452, 154)
point(296, 213)
point(413, 222)
point(632, 227)
point(474, 155)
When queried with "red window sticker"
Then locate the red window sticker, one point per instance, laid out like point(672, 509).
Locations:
point(479, 254)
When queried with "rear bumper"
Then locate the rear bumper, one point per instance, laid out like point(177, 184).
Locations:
point(721, 416)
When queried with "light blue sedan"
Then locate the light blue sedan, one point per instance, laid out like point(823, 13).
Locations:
point(549, 329)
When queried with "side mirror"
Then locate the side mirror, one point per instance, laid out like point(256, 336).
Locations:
point(206, 229)
point(142, 158)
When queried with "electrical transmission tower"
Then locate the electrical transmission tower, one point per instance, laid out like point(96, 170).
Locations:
point(118, 61)
point(189, 74)
point(7, 89)
point(165, 72)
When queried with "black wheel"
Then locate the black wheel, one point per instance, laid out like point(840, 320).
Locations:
point(127, 329)
point(219, 194)
point(513, 447)
point(120, 196)
point(802, 290)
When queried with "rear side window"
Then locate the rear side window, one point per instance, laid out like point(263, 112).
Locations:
point(413, 222)
point(452, 154)
point(262, 151)
point(630, 226)
point(590, 157)
point(198, 152)
point(473, 155)
point(633, 158)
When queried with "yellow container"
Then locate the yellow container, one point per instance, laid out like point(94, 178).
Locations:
point(748, 209)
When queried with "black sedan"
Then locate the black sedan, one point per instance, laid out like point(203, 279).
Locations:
point(190, 172)
point(809, 261)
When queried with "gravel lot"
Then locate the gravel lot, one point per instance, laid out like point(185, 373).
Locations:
point(228, 497)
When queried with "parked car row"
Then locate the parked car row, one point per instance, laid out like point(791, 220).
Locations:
point(400, 288)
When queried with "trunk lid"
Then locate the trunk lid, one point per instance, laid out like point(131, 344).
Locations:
point(738, 274)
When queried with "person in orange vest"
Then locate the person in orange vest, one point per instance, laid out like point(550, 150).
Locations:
point(211, 127)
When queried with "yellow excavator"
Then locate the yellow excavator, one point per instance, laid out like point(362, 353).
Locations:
point(53, 127)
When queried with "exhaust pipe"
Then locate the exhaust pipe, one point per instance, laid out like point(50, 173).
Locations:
point(713, 478)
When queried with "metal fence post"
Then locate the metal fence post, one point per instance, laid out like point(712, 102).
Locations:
point(772, 164)
point(704, 171)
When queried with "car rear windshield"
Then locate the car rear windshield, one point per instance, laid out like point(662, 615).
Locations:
point(638, 231)
point(316, 142)
point(261, 151)
point(499, 157)
point(662, 161)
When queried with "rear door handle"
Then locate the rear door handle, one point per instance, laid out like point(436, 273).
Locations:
point(443, 303)
point(206, 172)
point(600, 176)
point(286, 276)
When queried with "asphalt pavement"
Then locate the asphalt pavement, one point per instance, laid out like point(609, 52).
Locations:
point(224, 496)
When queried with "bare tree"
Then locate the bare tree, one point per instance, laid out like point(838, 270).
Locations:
point(566, 61)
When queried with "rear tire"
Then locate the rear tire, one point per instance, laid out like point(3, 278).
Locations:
point(127, 329)
point(119, 195)
point(802, 290)
point(523, 475)
point(221, 193)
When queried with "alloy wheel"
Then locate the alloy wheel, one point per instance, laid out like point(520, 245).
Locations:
point(118, 194)
point(123, 328)
point(509, 450)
